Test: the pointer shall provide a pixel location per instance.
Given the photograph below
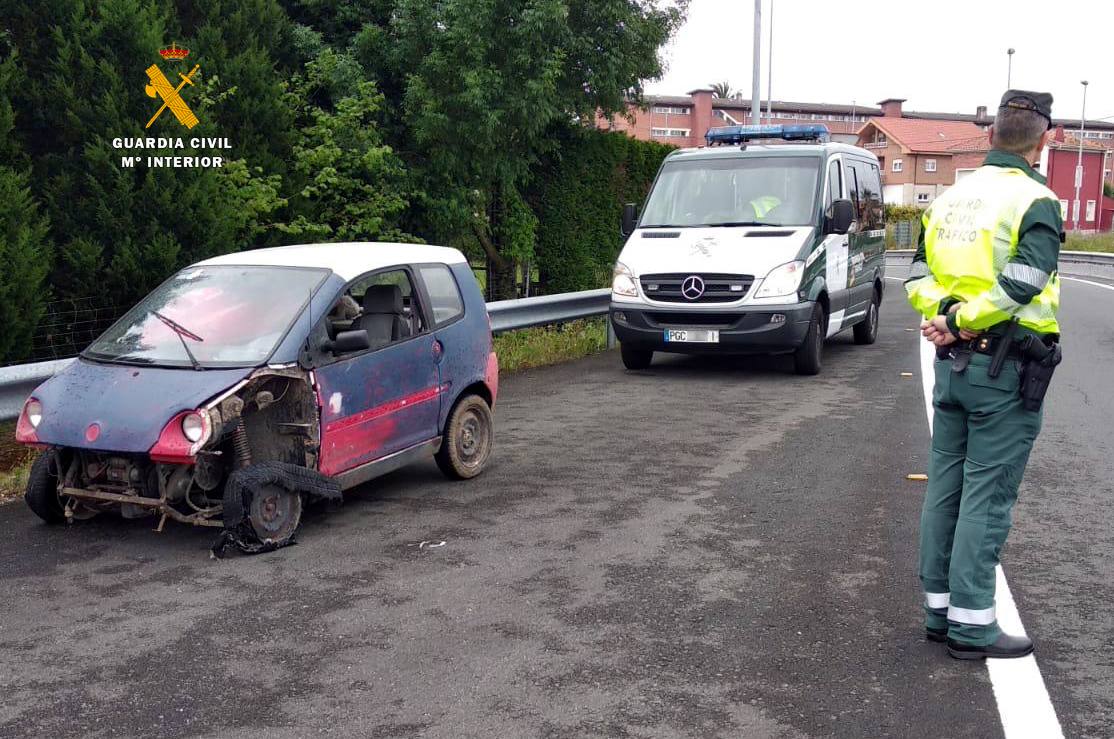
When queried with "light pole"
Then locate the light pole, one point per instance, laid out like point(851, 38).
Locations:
point(1079, 161)
point(1009, 69)
point(770, 71)
point(756, 79)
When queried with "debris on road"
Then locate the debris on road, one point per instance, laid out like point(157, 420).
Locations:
point(917, 476)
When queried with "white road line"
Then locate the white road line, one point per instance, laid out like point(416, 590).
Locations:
point(1088, 282)
point(1023, 704)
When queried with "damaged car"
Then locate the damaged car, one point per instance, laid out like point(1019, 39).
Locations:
point(250, 383)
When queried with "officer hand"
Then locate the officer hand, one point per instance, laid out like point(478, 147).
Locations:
point(936, 331)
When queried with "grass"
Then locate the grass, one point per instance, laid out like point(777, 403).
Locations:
point(535, 347)
point(15, 463)
point(1095, 242)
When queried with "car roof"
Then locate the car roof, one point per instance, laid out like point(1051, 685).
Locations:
point(757, 150)
point(347, 260)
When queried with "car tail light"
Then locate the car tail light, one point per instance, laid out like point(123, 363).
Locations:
point(29, 420)
point(182, 438)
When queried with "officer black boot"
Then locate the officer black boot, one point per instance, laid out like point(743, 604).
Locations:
point(1004, 647)
point(936, 635)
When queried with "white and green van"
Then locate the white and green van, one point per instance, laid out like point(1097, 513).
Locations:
point(751, 248)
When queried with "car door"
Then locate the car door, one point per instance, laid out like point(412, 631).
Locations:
point(836, 246)
point(386, 399)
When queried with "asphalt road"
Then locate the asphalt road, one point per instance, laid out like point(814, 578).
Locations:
point(707, 548)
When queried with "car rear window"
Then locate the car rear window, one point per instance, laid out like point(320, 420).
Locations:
point(444, 293)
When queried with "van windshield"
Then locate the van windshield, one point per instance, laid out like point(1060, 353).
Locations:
point(740, 191)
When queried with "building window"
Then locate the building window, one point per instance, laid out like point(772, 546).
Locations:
point(1090, 210)
point(670, 110)
point(922, 197)
point(929, 165)
point(1063, 210)
point(670, 132)
point(896, 166)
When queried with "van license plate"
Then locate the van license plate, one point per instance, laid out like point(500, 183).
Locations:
point(692, 335)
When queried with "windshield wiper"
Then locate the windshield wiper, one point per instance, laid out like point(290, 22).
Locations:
point(182, 334)
point(739, 223)
point(664, 225)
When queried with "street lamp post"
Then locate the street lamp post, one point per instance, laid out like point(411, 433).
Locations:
point(756, 78)
point(1079, 161)
point(1009, 69)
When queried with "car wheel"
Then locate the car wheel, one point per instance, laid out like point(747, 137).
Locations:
point(468, 438)
point(275, 513)
point(866, 331)
point(807, 358)
point(636, 359)
point(42, 489)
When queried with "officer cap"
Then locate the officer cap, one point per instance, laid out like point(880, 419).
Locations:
point(1038, 102)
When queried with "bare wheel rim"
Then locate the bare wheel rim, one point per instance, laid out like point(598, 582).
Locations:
point(275, 512)
point(472, 438)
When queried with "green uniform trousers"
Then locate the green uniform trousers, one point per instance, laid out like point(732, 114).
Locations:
point(981, 438)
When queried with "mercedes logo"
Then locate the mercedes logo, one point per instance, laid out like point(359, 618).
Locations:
point(693, 287)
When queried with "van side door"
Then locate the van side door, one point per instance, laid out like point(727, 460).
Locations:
point(835, 246)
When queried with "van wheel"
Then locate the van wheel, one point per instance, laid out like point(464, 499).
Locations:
point(468, 438)
point(806, 360)
point(636, 359)
point(41, 494)
point(866, 331)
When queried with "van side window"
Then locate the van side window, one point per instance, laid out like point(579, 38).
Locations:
point(854, 194)
point(444, 293)
point(835, 183)
point(869, 202)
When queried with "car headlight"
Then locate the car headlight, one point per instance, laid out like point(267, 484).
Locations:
point(782, 281)
point(34, 411)
point(622, 282)
point(194, 426)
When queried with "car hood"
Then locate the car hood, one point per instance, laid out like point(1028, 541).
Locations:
point(130, 404)
point(738, 250)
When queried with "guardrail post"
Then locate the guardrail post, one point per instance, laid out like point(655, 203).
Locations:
point(612, 341)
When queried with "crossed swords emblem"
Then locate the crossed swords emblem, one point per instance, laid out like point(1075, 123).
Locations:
point(160, 87)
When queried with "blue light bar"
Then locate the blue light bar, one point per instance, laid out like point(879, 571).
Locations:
point(742, 134)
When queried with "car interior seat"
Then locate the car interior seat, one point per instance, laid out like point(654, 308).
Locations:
point(383, 317)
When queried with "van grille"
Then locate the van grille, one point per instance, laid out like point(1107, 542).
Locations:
point(718, 288)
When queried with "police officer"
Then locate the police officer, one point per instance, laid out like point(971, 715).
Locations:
point(984, 278)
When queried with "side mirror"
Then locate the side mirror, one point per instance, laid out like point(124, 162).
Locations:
point(841, 218)
point(630, 220)
point(347, 342)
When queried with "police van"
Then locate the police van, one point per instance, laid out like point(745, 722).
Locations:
point(767, 241)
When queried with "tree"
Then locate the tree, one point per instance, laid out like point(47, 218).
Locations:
point(483, 81)
point(722, 90)
point(351, 186)
point(24, 250)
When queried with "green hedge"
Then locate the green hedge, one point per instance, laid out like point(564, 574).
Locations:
point(578, 195)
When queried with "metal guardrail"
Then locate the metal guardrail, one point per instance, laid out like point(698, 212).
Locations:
point(510, 315)
point(18, 381)
point(1090, 263)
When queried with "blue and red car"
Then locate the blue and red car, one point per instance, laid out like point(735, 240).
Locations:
point(248, 383)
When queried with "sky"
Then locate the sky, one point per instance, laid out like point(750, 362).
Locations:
point(946, 56)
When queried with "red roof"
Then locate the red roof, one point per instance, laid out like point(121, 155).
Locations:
point(932, 136)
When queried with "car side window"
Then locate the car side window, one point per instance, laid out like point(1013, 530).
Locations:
point(384, 304)
point(445, 301)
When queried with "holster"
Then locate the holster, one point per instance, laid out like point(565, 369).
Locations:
point(1037, 367)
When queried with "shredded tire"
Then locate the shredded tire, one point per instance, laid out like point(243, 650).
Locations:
point(242, 486)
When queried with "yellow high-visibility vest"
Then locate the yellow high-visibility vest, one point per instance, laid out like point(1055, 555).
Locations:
point(970, 233)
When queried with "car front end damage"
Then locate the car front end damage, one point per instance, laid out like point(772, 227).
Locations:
point(242, 461)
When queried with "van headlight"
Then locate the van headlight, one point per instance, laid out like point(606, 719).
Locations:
point(782, 281)
point(622, 282)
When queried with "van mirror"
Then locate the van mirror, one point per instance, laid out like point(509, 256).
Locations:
point(841, 217)
point(630, 218)
point(347, 342)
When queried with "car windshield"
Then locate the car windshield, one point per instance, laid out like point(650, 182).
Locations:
point(739, 191)
point(222, 316)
